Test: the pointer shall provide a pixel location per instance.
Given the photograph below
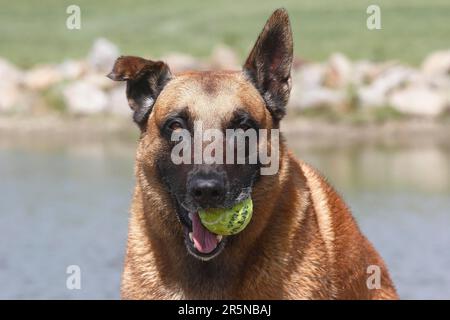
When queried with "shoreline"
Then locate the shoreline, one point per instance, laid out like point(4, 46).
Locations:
point(297, 130)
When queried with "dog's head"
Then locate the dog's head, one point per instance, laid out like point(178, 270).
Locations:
point(166, 105)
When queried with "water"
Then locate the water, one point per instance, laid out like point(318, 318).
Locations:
point(67, 204)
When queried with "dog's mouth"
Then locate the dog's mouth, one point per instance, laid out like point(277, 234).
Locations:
point(200, 242)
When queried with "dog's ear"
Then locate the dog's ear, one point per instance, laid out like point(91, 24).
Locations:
point(145, 80)
point(269, 64)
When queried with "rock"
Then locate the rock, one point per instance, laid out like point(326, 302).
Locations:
point(339, 71)
point(224, 58)
point(10, 87)
point(42, 77)
point(9, 96)
point(364, 73)
point(71, 69)
point(103, 55)
point(82, 97)
point(99, 80)
point(437, 63)
point(439, 82)
point(376, 94)
point(118, 103)
point(308, 91)
point(181, 62)
point(419, 100)
point(309, 76)
point(372, 96)
point(10, 71)
point(317, 97)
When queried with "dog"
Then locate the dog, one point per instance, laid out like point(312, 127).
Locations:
point(302, 241)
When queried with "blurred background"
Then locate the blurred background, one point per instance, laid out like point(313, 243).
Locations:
point(369, 108)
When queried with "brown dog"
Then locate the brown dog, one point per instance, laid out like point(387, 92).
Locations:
point(302, 241)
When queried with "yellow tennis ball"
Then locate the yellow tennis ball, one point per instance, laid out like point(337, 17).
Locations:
point(227, 221)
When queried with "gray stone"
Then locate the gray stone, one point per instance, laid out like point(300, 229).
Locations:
point(316, 97)
point(376, 94)
point(339, 71)
point(181, 62)
point(10, 90)
point(72, 69)
point(224, 58)
point(437, 63)
point(99, 80)
point(9, 96)
point(103, 55)
point(419, 100)
point(82, 97)
point(309, 76)
point(118, 103)
point(308, 90)
point(42, 77)
point(364, 73)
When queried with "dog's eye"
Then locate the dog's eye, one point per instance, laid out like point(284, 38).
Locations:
point(243, 122)
point(244, 126)
point(175, 125)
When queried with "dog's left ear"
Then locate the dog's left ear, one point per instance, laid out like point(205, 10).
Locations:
point(145, 80)
point(269, 63)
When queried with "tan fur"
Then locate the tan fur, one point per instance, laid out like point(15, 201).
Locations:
point(302, 242)
point(192, 90)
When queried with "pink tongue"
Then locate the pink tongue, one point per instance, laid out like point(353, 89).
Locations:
point(204, 241)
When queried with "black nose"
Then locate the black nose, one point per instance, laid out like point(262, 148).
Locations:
point(208, 192)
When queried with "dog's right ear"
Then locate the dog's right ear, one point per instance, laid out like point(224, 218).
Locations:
point(269, 64)
point(145, 80)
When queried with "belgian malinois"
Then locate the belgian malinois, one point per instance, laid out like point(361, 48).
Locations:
point(302, 241)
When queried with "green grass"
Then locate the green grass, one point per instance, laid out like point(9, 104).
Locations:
point(53, 99)
point(34, 31)
point(358, 116)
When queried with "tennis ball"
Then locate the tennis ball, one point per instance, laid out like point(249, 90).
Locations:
point(227, 221)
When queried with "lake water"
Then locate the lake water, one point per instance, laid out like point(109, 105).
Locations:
point(67, 204)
